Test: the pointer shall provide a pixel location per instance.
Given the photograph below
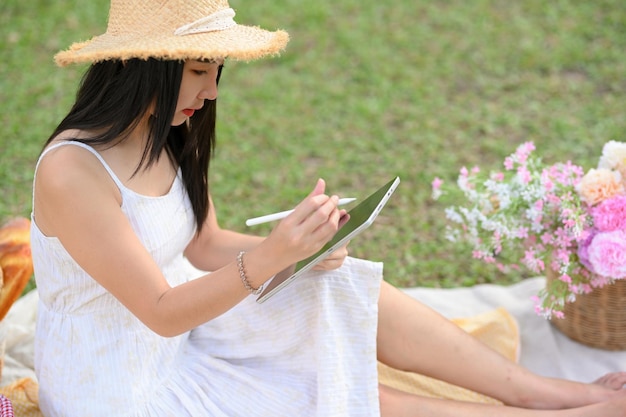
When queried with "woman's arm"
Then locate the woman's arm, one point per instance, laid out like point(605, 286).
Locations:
point(76, 201)
point(215, 247)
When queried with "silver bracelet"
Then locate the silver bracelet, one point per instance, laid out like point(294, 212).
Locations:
point(244, 278)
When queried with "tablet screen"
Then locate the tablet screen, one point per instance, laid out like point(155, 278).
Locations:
point(362, 214)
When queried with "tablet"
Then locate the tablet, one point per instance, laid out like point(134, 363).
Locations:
point(361, 217)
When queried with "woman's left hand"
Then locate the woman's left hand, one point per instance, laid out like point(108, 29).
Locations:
point(334, 260)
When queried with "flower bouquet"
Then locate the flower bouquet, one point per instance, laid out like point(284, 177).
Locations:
point(556, 220)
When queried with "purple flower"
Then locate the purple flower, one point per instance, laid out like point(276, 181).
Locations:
point(583, 251)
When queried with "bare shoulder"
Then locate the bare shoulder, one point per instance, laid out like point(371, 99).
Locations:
point(67, 167)
point(70, 177)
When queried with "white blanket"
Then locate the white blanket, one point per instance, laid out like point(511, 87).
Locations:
point(17, 333)
point(543, 348)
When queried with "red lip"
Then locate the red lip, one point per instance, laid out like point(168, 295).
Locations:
point(189, 112)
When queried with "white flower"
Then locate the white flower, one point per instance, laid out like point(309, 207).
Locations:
point(453, 215)
point(452, 235)
point(613, 156)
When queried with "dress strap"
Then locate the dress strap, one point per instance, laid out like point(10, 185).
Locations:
point(117, 181)
point(115, 178)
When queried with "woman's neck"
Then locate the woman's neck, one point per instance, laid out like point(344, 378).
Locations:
point(126, 159)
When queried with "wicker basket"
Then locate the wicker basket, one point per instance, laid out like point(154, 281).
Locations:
point(597, 319)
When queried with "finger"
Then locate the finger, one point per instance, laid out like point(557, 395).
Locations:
point(319, 188)
point(328, 265)
point(326, 217)
point(334, 260)
point(343, 219)
point(310, 203)
point(338, 254)
point(342, 252)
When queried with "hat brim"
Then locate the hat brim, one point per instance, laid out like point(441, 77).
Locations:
point(245, 43)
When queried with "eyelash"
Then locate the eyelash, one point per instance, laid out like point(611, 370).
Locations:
point(202, 72)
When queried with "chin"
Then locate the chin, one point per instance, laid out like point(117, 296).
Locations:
point(178, 122)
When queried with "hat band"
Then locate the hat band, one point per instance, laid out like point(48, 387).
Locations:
point(220, 20)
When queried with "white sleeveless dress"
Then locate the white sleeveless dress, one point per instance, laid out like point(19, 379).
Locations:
point(308, 351)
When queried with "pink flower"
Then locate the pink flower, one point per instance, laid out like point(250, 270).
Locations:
point(534, 263)
point(610, 214)
point(548, 183)
point(598, 281)
point(524, 174)
point(607, 254)
point(566, 278)
point(523, 151)
point(436, 188)
point(546, 238)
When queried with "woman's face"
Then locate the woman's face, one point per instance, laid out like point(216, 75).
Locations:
point(199, 83)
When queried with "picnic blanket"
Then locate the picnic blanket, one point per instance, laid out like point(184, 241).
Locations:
point(500, 316)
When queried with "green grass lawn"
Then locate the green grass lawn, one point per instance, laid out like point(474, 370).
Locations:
point(365, 91)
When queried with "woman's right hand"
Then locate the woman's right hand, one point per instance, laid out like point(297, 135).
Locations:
point(311, 225)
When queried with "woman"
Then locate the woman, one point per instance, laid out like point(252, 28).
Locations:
point(121, 208)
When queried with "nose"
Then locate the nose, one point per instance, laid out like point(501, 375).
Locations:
point(209, 91)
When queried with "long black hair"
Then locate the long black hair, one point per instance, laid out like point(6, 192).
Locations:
point(115, 96)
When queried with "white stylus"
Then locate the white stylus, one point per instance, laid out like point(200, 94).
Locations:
point(283, 214)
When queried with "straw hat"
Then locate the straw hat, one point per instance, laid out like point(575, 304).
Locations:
point(174, 29)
